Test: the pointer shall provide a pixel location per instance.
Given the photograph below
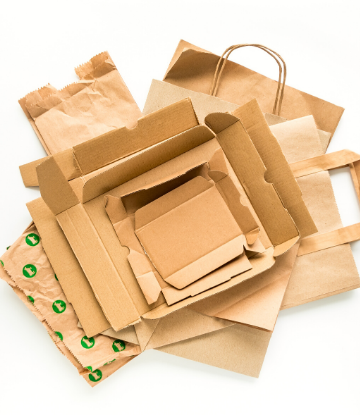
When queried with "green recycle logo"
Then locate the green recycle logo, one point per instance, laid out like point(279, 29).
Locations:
point(31, 299)
point(32, 239)
point(87, 343)
point(89, 368)
point(29, 271)
point(95, 376)
point(1, 262)
point(107, 363)
point(59, 306)
point(61, 337)
point(118, 346)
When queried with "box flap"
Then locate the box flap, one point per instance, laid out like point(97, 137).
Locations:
point(151, 129)
point(188, 232)
point(106, 283)
point(250, 170)
point(170, 201)
point(54, 188)
point(259, 263)
point(145, 161)
point(65, 160)
point(278, 171)
point(67, 269)
point(120, 143)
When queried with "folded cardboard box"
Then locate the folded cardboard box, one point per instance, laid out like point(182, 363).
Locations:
point(164, 145)
point(188, 233)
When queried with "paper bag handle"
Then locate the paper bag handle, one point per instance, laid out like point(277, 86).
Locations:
point(327, 162)
point(281, 83)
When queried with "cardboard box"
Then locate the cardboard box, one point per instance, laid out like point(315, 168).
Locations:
point(188, 227)
point(82, 216)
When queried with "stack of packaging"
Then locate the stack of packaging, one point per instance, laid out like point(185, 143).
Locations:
point(185, 228)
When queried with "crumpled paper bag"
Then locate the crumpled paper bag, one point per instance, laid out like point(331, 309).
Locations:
point(99, 102)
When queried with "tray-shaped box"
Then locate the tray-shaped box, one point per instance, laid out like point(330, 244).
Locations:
point(163, 145)
point(188, 234)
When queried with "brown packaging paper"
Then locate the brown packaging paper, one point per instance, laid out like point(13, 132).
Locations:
point(27, 265)
point(99, 102)
point(196, 69)
point(92, 379)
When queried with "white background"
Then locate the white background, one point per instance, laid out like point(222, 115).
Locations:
point(313, 361)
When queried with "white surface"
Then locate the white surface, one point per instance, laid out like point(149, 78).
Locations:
point(313, 364)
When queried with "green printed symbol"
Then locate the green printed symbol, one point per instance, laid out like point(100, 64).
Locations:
point(31, 299)
point(118, 346)
point(89, 368)
point(32, 239)
point(8, 247)
point(29, 271)
point(87, 343)
point(59, 306)
point(1, 262)
point(95, 376)
point(107, 363)
point(56, 277)
point(61, 337)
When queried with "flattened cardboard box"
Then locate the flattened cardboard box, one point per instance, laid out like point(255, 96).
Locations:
point(84, 219)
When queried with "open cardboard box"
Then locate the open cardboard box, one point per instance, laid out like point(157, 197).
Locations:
point(164, 145)
point(189, 227)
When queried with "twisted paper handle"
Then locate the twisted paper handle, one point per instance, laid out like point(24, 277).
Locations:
point(282, 72)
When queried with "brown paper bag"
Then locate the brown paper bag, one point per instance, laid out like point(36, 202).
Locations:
point(199, 70)
point(98, 103)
